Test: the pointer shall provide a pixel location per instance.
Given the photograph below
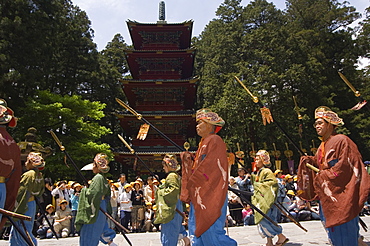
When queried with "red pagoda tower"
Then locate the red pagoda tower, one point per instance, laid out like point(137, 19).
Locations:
point(162, 89)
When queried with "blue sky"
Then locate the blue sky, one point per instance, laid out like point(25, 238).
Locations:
point(109, 17)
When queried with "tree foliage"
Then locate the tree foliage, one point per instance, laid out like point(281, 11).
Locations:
point(75, 121)
point(280, 54)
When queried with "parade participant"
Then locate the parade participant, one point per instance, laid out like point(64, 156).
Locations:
point(10, 161)
point(167, 200)
point(63, 218)
point(31, 185)
point(341, 172)
point(90, 220)
point(265, 194)
point(205, 182)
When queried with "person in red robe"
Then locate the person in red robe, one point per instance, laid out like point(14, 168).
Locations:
point(10, 161)
point(205, 183)
point(342, 183)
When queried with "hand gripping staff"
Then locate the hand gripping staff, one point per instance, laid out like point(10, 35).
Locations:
point(140, 117)
point(24, 234)
point(62, 148)
point(360, 221)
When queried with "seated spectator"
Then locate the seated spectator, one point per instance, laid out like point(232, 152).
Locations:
point(62, 219)
point(44, 230)
point(248, 216)
point(149, 218)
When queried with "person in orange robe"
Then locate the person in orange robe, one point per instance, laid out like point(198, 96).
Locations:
point(10, 161)
point(342, 183)
point(205, 183)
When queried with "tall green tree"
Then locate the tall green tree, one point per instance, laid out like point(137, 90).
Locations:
point(75, 121)
point(44, 45)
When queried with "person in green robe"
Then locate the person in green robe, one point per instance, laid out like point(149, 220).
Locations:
point(265, 195)
point(31, 185)
point(90, 221)
point(167, 200)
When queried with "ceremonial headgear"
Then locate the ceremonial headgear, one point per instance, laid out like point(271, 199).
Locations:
point(7, 115)
point(100, 161)
point(170, 161)
point(265, 157)
point(328, 115)
point(35, 158)
point(210, 117)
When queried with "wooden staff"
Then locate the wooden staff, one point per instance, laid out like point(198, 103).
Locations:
point(15, 215)
point(62, 148)
point(287, 214)
point(140, 117)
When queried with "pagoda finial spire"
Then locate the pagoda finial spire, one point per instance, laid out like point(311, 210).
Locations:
point(162, 11)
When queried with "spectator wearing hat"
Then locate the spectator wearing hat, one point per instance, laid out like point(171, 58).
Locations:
point(31, 185)
point(125, 205)
point(114, 199)
point(137, 213)
point(265, 194)
point(289, 183)
point(90, 220)
point(44, 230)
point(342, 184)
point(168, 202)
point(75, 197)
point(10, 161)
point(61, 192)
point(63, 218)
point(208, 203)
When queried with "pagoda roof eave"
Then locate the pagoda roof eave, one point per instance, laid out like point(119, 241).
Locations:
point(159, 23)
point(191, 80)
point(159, 51)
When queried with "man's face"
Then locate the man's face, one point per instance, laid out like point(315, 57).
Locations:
point(122, 179)
point(203, 128)
point(323, 128)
